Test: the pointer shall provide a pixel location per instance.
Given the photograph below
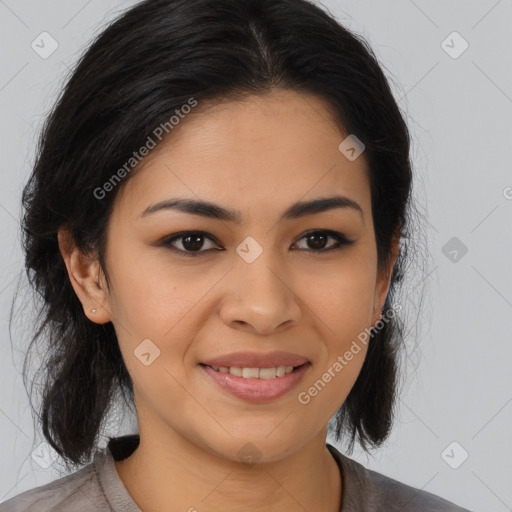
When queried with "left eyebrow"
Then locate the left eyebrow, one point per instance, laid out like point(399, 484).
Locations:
point(215, 211)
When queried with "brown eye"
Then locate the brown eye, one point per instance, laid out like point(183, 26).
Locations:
point(191, 242)
point(316, 240)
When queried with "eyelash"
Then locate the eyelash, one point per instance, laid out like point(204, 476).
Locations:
point(341, 239)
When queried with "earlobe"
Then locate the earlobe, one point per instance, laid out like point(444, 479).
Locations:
point(83, 272)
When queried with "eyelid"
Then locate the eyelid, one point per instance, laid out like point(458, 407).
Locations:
point(341, 238)
point(168, 240)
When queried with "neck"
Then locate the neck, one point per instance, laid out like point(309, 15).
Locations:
point(180, 473)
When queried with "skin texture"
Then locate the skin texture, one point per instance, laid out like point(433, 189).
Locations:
point(258, 156)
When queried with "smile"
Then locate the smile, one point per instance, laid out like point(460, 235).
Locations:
point(255, 373)
point(256, 384)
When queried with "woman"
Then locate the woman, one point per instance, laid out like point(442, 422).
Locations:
point(215, 222)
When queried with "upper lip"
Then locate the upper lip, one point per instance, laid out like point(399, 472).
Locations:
point(257, 360)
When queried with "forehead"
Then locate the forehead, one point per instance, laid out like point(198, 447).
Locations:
point(253, 154)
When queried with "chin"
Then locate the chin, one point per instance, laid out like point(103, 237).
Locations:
point(255, 447)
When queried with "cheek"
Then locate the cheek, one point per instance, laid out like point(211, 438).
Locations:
point(150, 294)
point(167, 304)
point(342, 295)
point(341, 312)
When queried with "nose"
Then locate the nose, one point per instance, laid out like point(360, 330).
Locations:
point(260, 300)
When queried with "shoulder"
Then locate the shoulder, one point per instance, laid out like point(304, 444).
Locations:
point(365, 489)
point(76, 492)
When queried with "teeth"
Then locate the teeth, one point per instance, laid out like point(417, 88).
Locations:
point(250, 373)
point(280, 371)
point(268, 373)
point(255, 373)
point(237, 372)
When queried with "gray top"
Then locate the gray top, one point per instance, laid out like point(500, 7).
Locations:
point(97, 487)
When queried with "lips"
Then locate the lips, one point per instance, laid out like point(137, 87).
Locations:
point(256, 390)
point(256, 360)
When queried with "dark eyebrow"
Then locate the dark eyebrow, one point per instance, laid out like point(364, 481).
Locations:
point(214, 211)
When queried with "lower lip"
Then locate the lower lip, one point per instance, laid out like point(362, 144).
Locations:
point(257, 390)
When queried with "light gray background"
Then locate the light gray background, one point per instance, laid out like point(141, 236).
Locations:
point(458, 384)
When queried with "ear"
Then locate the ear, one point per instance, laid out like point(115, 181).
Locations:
point(384, 280)
point(86, 277)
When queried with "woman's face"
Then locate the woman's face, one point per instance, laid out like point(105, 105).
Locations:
point(254, 284)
